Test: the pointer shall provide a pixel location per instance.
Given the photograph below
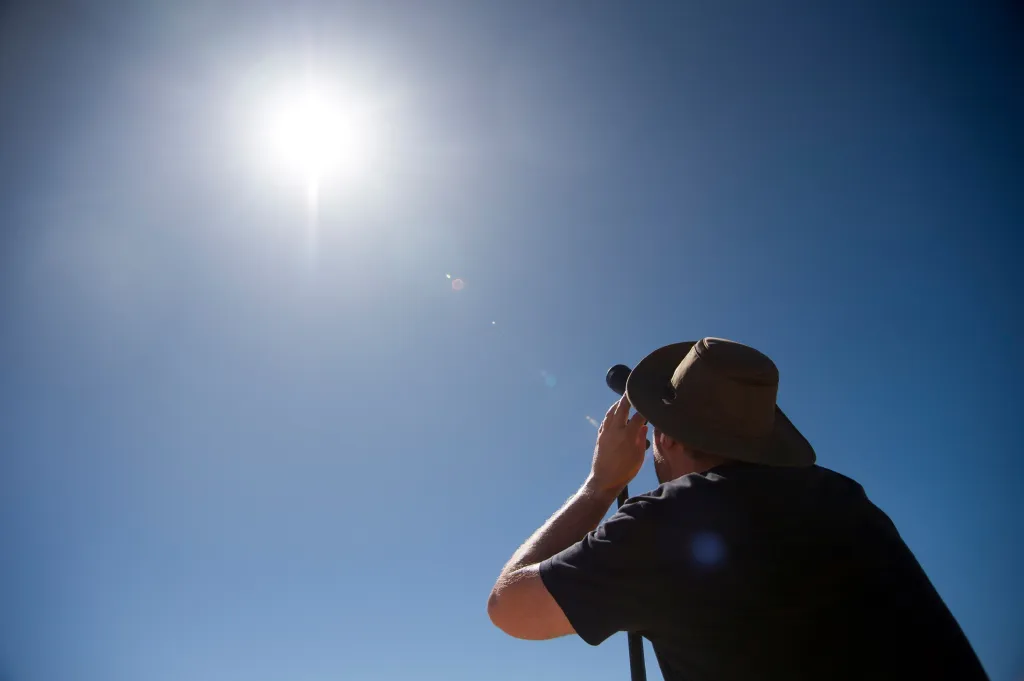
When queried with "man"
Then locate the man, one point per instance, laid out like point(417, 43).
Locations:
point(748, 562)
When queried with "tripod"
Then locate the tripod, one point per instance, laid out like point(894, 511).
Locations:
point(637, 671)
point(616, 380)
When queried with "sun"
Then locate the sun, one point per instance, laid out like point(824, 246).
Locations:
point(314, 132)
point(302, 134)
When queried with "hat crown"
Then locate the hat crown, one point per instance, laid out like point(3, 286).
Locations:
point(731, 386)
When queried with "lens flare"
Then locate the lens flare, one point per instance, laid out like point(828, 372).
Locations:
point(458, 284)
point(708, 548)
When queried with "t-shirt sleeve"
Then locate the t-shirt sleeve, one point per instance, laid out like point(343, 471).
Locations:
point(608, 581)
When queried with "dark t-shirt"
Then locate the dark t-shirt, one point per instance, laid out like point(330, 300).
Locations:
point(756, 572)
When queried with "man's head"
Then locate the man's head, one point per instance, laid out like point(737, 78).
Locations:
point(673, 459)
point(715, 396)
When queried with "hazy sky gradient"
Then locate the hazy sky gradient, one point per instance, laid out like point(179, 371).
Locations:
point(234, 451)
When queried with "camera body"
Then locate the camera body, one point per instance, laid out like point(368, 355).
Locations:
point(616, 379)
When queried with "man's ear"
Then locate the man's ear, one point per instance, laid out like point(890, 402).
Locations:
point(664, 441)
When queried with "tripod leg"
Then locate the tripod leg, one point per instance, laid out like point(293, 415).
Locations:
point(637, 670)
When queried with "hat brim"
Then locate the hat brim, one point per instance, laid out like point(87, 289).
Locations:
point(645, 388)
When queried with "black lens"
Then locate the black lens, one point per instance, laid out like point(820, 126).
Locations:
point(616, 378)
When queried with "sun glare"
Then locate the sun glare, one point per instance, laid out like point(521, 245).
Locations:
point(314, 133)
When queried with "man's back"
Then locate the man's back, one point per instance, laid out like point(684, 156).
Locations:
point(762, 572)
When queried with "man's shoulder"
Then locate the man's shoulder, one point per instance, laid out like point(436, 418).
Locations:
point(746, 485)
point(675, 498)
point(739, 475)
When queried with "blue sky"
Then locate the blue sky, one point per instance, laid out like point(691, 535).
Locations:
point(244, 442)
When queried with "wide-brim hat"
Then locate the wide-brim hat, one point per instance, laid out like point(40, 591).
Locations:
point(719, 397)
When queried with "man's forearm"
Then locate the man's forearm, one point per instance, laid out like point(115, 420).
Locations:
point(578, 516)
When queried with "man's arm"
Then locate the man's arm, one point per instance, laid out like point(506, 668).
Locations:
point(520, 604)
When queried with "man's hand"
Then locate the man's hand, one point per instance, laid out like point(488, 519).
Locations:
point(619, 453)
